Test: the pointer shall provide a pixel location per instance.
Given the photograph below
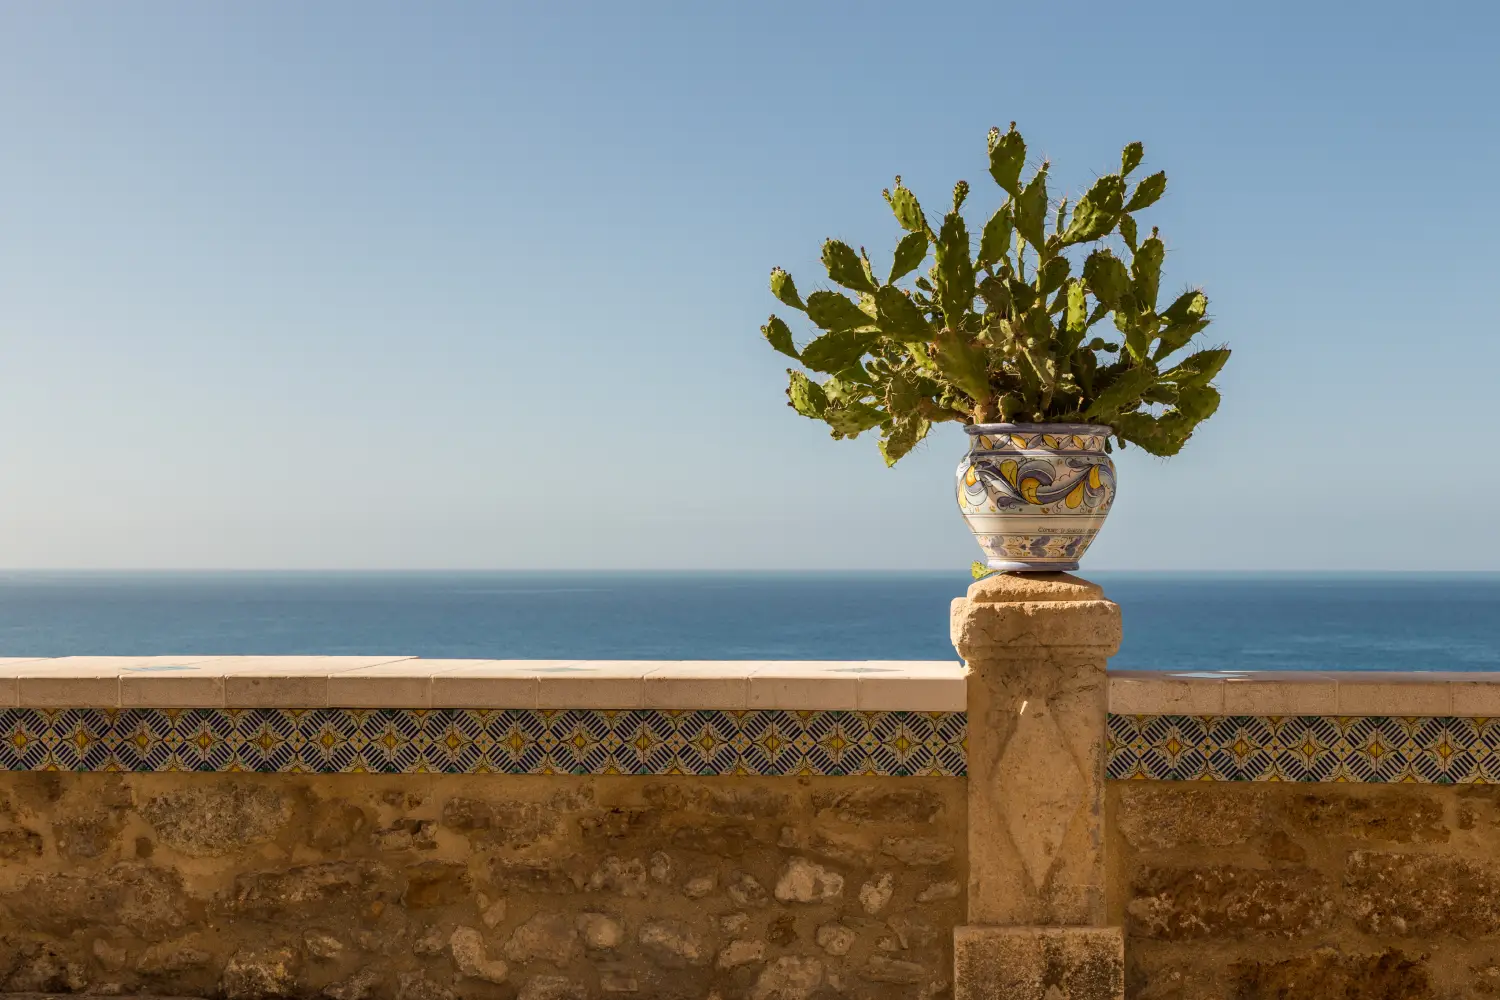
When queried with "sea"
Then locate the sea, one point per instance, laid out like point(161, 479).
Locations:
point(1173, 621)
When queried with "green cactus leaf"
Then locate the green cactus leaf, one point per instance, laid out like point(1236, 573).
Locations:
point(905, 392)
point(1198, 401)
point(960, 194)
point(1188, 306)
point(1031, 211)
point(1147, 192)
point(1012, 405)
point(955, 269)
point(1097, 211)
point(1076, 320)
point(832, 311)
point(1145, 272)
point(1139, 330)
point(837, 351)
point(852, 419)
point(850, 384)
point(1185, 319)
point(903, 435)
point(996, 295)
point(805, 395)
point(1022, 295)
point(1007, 157)
point(1162, 436)
point(779, 336)
point(785, 289)
point(994, 241)
point(1052, 275)
point(845, 267)
point(1123, 393)
point(904, 204)
point(1178, 336)
point(1128, 231)
point(1198, 369)
point(899, 317)
point(979, 570)
point(1130, 157)
point(963, 363)
point(910, 253)
point(1106, 277)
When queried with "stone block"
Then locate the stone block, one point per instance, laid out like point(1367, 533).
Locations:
point(1388, 813)
point(1422, 895)
point(1015, 631)
point(1038, 963)
point(1226, 901)
point(1156, 816)
point(1333, 972)
point(214, 819)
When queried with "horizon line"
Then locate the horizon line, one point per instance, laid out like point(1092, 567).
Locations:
point(830, 571)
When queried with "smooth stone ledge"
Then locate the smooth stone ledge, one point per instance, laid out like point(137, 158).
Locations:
point(1277, 693)
point(863, 685)
point(410, 682)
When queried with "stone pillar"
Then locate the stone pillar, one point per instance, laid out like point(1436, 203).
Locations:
point(1036, 646)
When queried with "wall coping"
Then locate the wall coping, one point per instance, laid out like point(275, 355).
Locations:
point(1460, 694)
point(811, 685)
point(294, 682)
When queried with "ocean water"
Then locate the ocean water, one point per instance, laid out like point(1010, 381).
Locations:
point(1172, 621)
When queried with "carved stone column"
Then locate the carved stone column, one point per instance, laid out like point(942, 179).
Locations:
point(1036, 646)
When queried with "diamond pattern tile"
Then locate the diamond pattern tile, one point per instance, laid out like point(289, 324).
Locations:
point(1433, 750)
point(474, 741)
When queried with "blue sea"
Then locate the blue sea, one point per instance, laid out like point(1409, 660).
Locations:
point(1172, 621)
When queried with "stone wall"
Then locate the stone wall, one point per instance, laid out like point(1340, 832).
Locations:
point(426, 887)
point(1244, 891)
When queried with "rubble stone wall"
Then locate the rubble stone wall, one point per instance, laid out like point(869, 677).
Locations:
point(429, 887)
point(1252, 890)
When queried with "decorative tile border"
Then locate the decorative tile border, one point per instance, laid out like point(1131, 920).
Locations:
point(479, 741)
point(1376, 749)
point(1437, 750)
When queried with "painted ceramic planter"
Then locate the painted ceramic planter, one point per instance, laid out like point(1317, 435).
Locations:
point(1035, 495)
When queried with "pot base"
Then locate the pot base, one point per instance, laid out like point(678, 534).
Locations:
point(1004, 566)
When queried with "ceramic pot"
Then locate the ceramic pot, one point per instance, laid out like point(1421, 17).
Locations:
point(1035, 495)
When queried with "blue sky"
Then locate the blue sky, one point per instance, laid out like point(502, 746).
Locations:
point(479, 285)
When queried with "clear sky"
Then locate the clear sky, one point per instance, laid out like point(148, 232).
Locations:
point(369, 284)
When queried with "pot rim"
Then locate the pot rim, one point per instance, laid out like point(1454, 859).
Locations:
point(1039, 428)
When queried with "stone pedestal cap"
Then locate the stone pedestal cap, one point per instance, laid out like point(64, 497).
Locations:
point(1020, 611)
point(1011, 588)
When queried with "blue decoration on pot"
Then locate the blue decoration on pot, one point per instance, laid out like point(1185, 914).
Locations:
point(1035, 495)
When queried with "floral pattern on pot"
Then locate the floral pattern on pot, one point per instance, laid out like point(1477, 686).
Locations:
point(1035, 495)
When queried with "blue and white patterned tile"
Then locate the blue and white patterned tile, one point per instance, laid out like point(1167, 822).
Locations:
point(1437, 750)
point(479, 741)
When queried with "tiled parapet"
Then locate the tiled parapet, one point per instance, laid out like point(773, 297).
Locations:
point(806, 716)
point(1427, 728)
point(407, 715)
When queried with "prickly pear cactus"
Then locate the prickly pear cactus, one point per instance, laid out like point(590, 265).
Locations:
point(1010, 329)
